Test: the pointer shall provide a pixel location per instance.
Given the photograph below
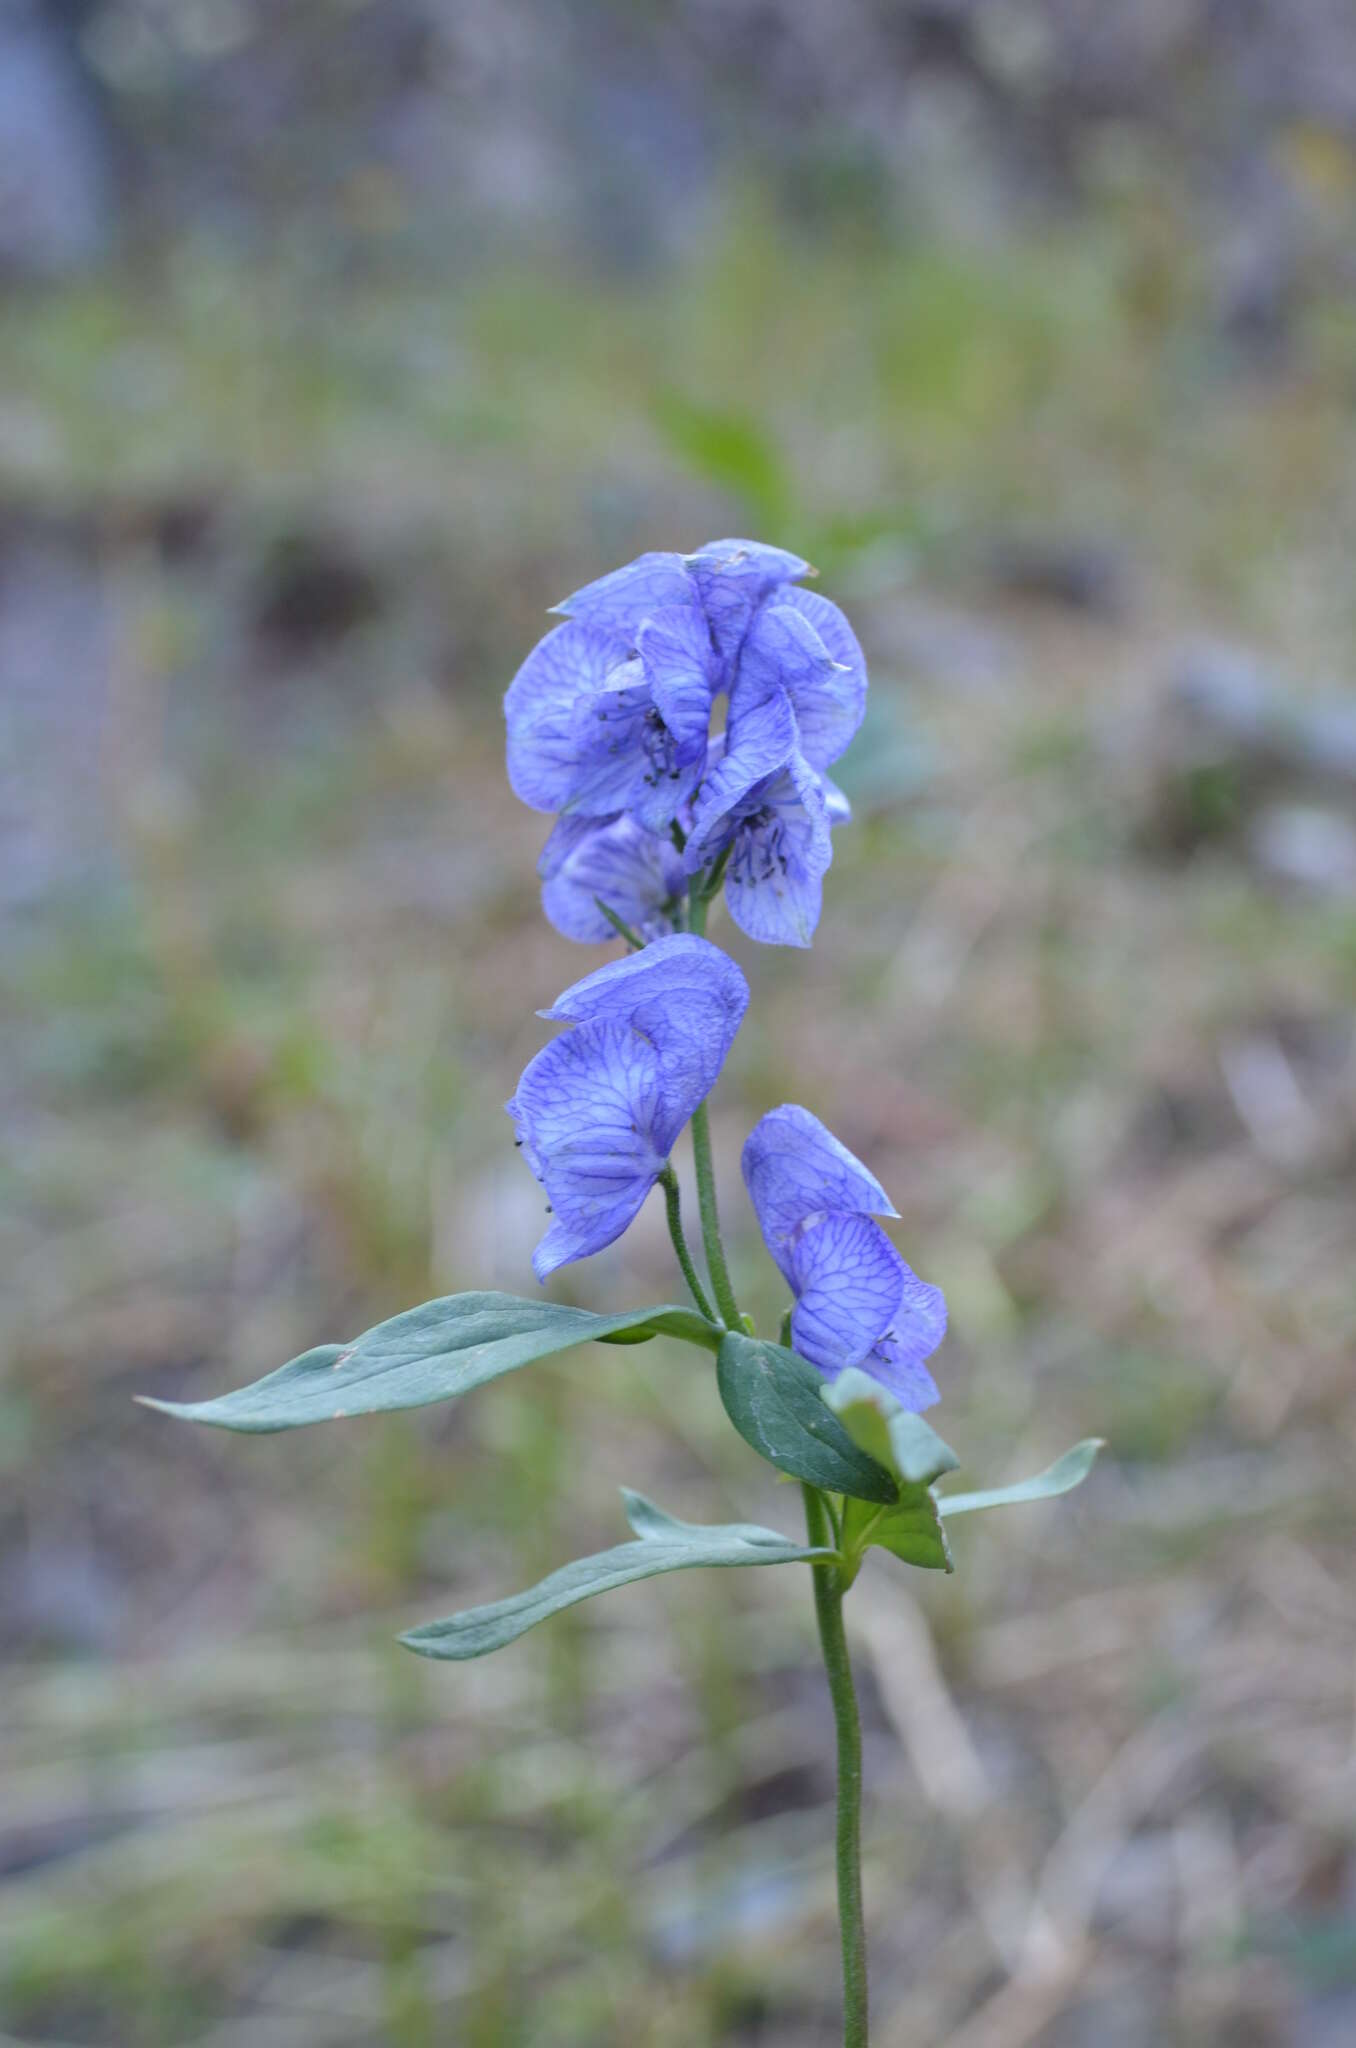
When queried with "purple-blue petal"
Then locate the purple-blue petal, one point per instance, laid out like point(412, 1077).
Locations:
point(686, 997)
point(541, 705)
point(674, 645)
point(848, 1280)
point(831, 624)
point(897, 1360)
point(795, 1168)
point(626, 757)
point(625, 596)
point(778, 859)
point(615, 861)
point(756, 749)
point(586, 1109)
point(784, 649)
point(734, 578)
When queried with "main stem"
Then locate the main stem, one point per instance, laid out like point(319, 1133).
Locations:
point(706, 1173)
point(833, 1642)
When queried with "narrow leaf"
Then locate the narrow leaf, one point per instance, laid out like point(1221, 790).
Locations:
point(662, 1545)
point(772, 1396)
point(433, 1353)
point(1061, 1477)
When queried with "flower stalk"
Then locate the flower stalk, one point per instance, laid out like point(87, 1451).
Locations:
point(668, 1180)
point(829, 1591)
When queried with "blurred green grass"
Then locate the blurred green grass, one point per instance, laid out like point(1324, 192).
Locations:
point(257, 1065)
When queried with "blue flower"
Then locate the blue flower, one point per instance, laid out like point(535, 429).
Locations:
point(587, 861)
point(611, 712)
point(601, 721)
point(856, 1302)
point(598, 1110)
point(765, 805)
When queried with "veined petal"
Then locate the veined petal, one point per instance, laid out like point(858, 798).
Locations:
point(897, 1360)
point(785, 650)
point(735, 577)
point(686, 997)
point(628, 759)
point(625, 596)
point(586, 1109)
point(572, 663)
point(635, 872)
point(780, 852)
point(849, 1281)
point(832, 627)
point(794, 1167)
point(753, 750)
point(565, 835)
point(674, 645)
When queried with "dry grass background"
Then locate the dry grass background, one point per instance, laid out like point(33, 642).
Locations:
point(272, 960)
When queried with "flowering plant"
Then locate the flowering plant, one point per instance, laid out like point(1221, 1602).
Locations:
point(610, 727)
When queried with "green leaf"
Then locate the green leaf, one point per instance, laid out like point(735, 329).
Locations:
point(728, 449)
point(886, 1431)
point(1061, 1477)
point(911, 1528)
point(662, 1545)
point(433, 1353)
point(772, 1396)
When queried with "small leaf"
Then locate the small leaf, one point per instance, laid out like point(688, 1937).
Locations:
point(772, 1396)
point(662, 1545)
point(433, 1353)
point(1061, 1477)
point(912, 1530)
point(908, 1447)
point(887, 1431)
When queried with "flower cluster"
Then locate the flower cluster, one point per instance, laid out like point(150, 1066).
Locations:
point(610, 725)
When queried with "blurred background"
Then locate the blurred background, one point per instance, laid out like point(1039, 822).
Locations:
point(336, 342)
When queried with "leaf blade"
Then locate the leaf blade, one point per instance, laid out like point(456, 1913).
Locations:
point(662, 1544)
point(435, 1352)
point(1063, 1476)
point(773, 1398)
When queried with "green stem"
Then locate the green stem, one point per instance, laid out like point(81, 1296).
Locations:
point(829, 1590)
point(668, 1180)
point(706, 1174)
point(706, 1203)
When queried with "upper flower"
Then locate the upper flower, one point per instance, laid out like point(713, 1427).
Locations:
point(609, 721)
point(598, 1110)
point(856, 1302)
point(611, 711)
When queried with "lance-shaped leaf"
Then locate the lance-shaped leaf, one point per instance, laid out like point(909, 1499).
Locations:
point(1061, 1477)
point(433, 1353)
point(911, 1528)
point(773, 1398)
point(662, 1545)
